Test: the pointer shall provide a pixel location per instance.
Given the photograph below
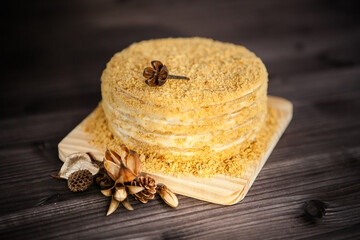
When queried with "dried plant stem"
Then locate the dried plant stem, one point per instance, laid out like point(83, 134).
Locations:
point(178, 77)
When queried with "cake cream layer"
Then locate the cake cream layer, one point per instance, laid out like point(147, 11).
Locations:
point(215, 137)
point(219, 109)
point(130, 104)
point(193, 116)
point(153, 122)
point(181, 154)
point(147, 125)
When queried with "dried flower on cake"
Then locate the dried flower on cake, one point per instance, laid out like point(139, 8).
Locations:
point(158, 74)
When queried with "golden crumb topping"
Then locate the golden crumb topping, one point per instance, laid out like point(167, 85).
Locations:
point(218, 72)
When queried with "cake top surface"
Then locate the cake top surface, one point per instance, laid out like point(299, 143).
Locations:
point(218, 71)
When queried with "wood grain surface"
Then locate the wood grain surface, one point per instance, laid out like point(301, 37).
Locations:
point(53, 54)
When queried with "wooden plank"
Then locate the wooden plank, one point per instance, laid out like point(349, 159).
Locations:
point(206, 189)
point(191, 219)
point(50, 82)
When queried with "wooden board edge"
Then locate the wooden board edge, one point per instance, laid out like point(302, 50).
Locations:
point(286, 106)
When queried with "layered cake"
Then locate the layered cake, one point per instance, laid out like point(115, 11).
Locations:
point(209, 118)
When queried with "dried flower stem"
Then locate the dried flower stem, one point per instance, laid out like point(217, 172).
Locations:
point(177, 77)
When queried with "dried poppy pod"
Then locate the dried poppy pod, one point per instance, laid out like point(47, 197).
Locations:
point(158, 74)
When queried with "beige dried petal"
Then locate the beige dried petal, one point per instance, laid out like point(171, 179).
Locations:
point(127, 205)
point(107, 192)
point(120, 194)
point(124, 151)
point(126, 173)
point(113, 206)
point(112, 169)
point(134, 189)
point(143, 200)
point(108, 156)
point(133, 162)
point(75, 162)
point(168, 196)
point(148, 72)
point(152, 190)
point(116, 158)
point(120, 180)
point(149, 196)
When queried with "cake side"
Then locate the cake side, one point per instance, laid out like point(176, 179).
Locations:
point(211, 117)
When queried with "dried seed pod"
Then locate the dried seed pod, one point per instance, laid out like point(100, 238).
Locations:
point(168, 196)
point(75, 162)
point(158, 74)
point(149, 188)
point(120, 168)
point(127, 164)
point(120, 193)
point(80, 180)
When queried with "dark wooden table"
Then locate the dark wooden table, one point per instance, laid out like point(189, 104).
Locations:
point(54, 54)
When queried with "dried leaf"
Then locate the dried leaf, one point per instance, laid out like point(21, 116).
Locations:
point(134, 189)
point(168, 196)
point(112, 169)
point(127, 205)
point(113, 206)
point(75, 162)
point(120, 194)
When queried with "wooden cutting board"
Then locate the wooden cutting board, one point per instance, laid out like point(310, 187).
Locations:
point(219, 189)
